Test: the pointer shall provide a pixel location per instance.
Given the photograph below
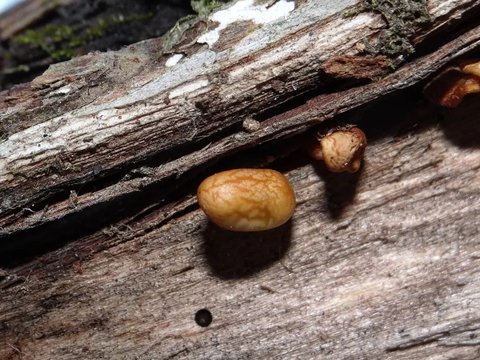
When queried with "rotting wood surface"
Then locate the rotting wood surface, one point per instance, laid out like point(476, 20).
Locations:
point(381, 265)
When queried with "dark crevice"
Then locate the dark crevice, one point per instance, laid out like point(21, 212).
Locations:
point(99, 179)
point(23, 246)
point(176, 214)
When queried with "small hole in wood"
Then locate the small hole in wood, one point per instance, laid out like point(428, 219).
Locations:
point(203, 317)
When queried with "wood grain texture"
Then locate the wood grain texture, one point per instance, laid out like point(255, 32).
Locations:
point(383, 265)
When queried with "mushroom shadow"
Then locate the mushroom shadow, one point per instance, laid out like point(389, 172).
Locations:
point(460, 124)
point(235, 255)
point(340, 188)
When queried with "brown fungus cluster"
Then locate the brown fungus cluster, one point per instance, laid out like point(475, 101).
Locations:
point(454, 83)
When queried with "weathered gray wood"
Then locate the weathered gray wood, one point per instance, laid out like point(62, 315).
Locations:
point(392, 272)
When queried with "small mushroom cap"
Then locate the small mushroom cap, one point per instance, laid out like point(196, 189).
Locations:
point(343, 149)
point(247, 199)
point(471, 67)
point(450, 87)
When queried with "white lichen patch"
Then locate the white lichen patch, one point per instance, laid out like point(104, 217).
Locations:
point(245, 10)
point(64, 90)
point(185, 89)
point(173, 60)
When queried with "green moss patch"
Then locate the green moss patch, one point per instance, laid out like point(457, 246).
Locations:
point(62, 42)
point(204, 7)
point(403, 17)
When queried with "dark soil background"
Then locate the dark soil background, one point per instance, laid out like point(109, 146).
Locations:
point(84, 26)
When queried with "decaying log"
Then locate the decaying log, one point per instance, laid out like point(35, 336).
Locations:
point(106, 254)
point(395, 274)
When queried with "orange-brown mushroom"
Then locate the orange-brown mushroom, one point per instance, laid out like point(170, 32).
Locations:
point(449, 88)
point(247, 199)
